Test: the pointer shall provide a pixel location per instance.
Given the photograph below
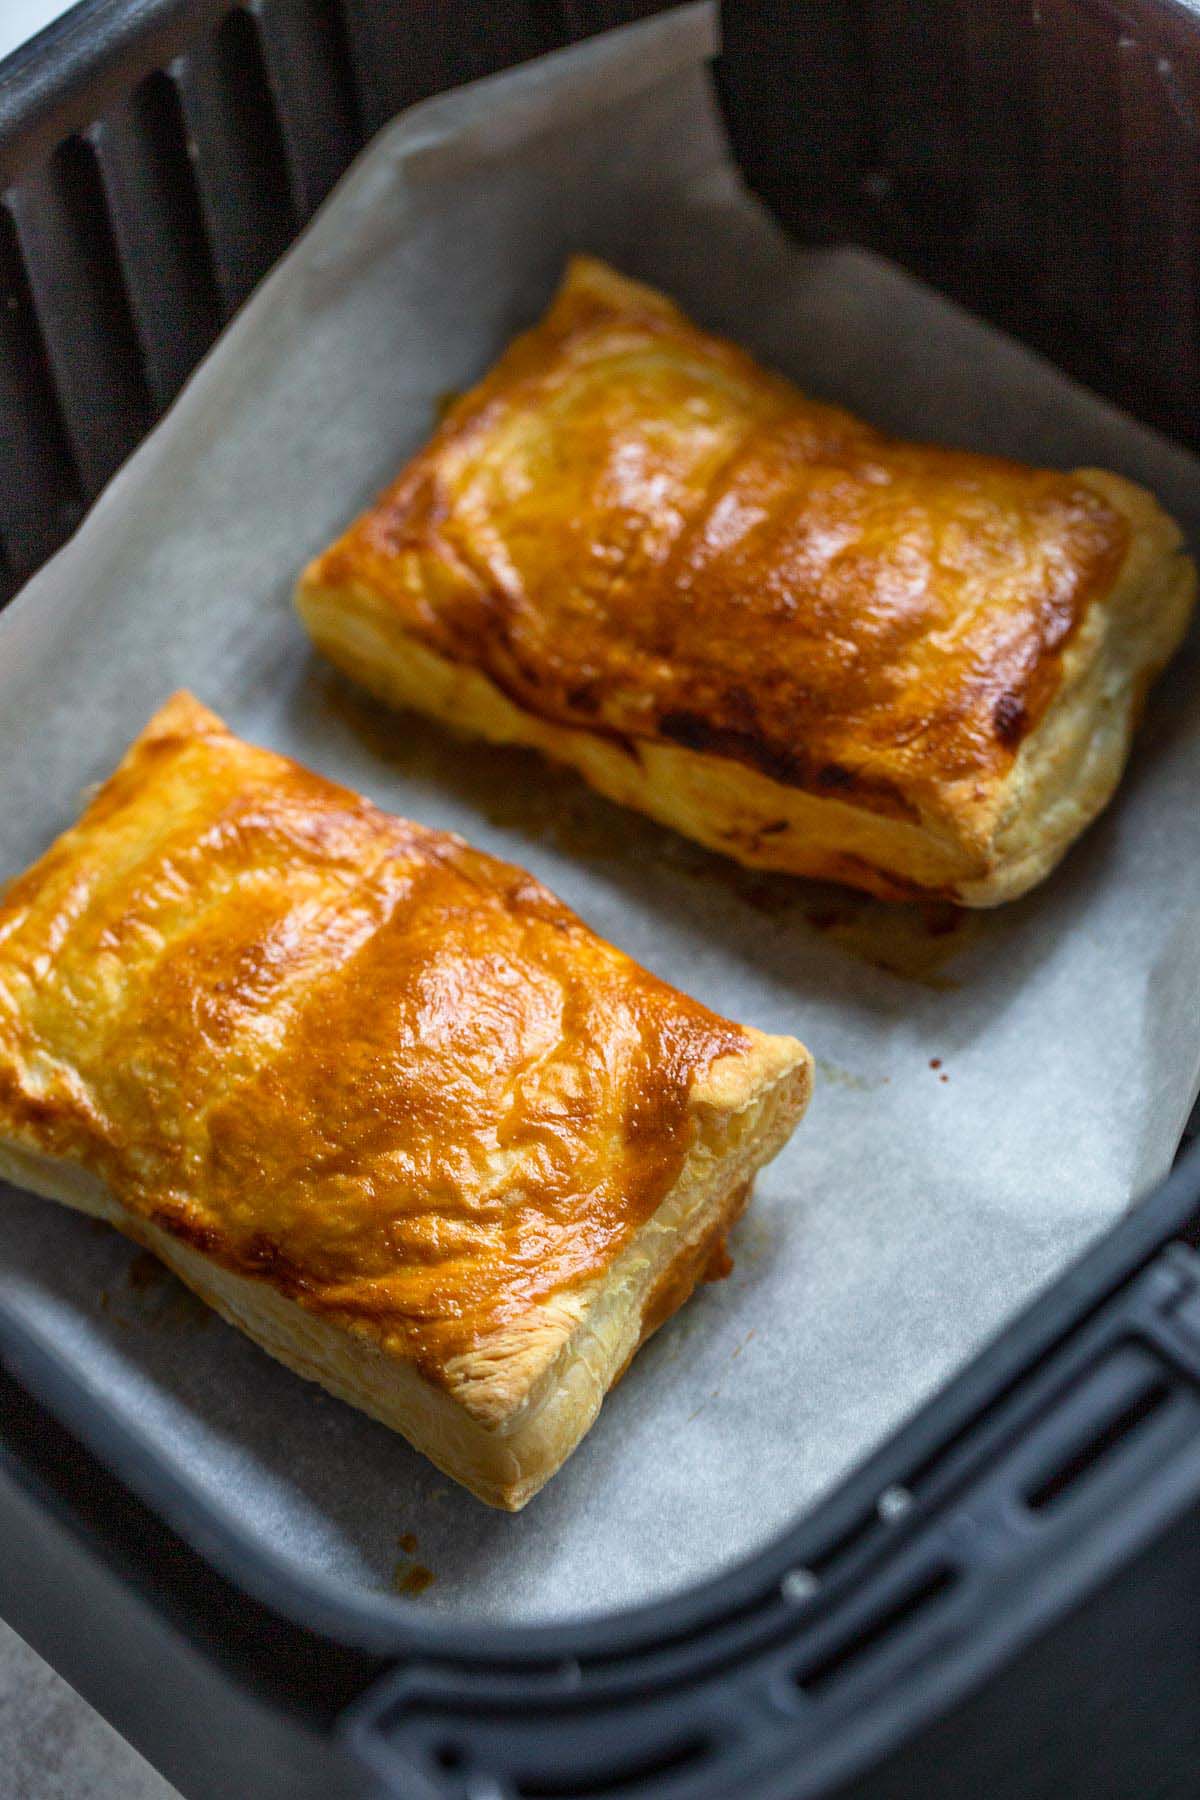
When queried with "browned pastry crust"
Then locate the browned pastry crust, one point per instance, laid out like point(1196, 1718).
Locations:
point(755, 617)
point(381, 1099)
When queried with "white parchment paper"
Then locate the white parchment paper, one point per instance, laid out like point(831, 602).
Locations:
point(917, 1206)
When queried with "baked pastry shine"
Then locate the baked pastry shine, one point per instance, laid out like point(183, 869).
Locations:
point(756, 618)
point(381, 1099)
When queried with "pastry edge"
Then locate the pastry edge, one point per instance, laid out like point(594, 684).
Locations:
point(525, 1398)
point(1070, 766)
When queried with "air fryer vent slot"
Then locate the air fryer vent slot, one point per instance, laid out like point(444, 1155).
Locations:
point(913, 1602)
point(157, 223)
point(83, 311)
point(40, 500)
point(239, 154)
point(1101, 1448)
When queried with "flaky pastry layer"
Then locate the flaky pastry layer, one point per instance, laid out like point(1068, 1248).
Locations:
point(755, 618)
point(380, 1099)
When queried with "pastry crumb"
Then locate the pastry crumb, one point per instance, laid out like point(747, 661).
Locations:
point(411, 1579)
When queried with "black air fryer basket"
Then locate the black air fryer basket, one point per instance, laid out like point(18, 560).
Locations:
point(1004, 1600)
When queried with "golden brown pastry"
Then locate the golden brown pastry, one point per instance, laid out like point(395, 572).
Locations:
point(754, 617)
point(381, 1100)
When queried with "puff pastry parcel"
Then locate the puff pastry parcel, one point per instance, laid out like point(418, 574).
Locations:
point(755, 618)
point(381, 1100)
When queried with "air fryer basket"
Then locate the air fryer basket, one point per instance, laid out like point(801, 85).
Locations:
point(1003, 1597)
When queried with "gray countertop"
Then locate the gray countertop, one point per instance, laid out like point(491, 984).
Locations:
point(19, 19)
point(53, 1746)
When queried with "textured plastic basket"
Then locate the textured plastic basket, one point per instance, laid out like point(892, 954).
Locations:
point(1002, 1600)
